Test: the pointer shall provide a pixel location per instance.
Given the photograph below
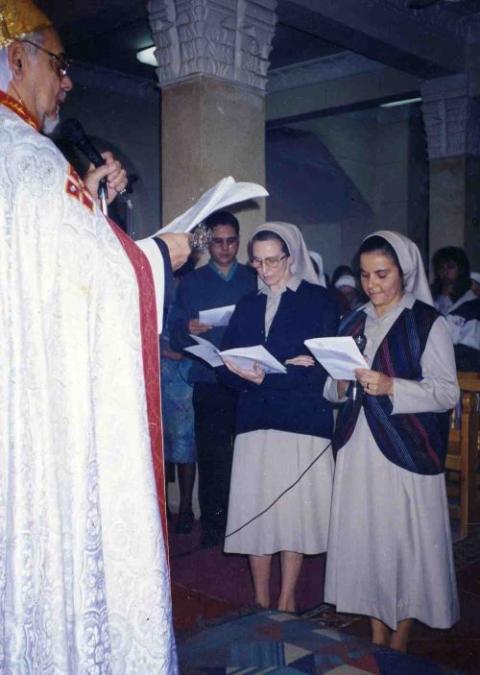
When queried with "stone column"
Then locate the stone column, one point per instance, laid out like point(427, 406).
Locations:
point(452, 123)
point(213, 61)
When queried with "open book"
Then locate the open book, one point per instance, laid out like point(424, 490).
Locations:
point(243, 357)
point(340, 356)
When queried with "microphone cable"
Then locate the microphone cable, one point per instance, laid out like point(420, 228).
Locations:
point(282, 494)
point(261, 513)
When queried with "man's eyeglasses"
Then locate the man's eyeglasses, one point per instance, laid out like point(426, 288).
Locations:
point(224, 241)
point(270, 263)
point(60, 62)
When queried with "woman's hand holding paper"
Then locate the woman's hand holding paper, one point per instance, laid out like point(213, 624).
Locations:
point(257, 375)
point(375, 383)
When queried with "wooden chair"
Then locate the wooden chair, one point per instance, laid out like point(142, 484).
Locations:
point(462, 453)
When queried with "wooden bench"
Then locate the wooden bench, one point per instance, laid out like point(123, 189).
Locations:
point(463, 452)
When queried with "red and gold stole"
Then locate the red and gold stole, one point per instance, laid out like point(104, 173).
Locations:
point(18, 108)
point(151, 362)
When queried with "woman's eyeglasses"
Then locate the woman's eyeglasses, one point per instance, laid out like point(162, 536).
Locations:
point(270, 263)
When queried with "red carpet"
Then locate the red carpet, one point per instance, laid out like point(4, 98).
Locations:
point(192, 609)
point(208, 583)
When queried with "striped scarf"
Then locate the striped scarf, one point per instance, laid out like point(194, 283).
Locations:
point(416, 442)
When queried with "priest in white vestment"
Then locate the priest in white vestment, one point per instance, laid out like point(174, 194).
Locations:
point(84, 581)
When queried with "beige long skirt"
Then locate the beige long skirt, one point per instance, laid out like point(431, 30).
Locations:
point(389, 548)
point(265, 463)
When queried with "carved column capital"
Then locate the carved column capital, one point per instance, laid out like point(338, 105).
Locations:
point(451, 116)
point(226, 39)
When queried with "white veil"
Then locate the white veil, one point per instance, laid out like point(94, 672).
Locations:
point(301, 263)
point(411, 262)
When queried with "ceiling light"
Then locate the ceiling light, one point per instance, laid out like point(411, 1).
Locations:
point(148, 56)
point(405, 101)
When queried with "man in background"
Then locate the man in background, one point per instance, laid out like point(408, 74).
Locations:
point(219, 283)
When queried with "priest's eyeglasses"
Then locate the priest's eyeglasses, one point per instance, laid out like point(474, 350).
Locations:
point(270, 263)
point(60, 62)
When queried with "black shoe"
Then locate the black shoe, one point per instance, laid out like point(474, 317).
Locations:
point(184, 522)
point(211, 536)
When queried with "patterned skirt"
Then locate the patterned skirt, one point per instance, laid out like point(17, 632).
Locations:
point(177, 409)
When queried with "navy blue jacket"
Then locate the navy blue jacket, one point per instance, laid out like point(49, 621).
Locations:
point(204, 289)
point(293, 402)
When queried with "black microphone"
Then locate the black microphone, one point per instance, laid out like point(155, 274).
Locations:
point(71, 130)
point(361, 342)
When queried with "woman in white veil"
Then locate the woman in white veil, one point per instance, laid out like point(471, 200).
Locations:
point(283, 422)
point(389, 548)
point(317, 260)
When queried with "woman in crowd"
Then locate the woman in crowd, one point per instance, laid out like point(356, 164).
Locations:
point(389, 548)
point(451, 282)
point(178, 417)
point(475, 279)
point(178, 429)
point(317, 262)
point(349, 297)
point(283, 421)
point(455, 297)
point(340, 271)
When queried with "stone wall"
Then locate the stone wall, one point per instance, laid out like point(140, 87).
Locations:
point(383, 152)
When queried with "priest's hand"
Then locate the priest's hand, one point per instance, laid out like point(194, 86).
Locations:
point(178, 247)
point(257, 375)
point(375, 383)
point(113, 171)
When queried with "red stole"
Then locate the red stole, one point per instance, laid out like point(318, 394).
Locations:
point(19, 108)
point(151, 361)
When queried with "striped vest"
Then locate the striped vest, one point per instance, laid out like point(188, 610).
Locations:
point(416, 442)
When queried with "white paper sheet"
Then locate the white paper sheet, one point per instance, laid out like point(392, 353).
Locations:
point(243, 357)
point(225, 193)
point(339, 356)
point(218, 316)
point(207, 352)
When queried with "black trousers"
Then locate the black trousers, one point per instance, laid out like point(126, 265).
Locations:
point(214, 406)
